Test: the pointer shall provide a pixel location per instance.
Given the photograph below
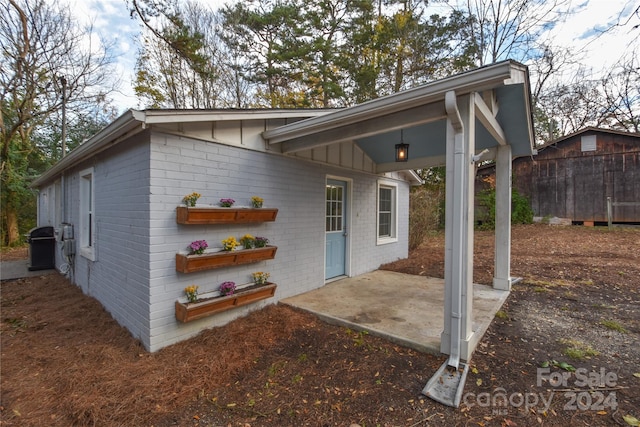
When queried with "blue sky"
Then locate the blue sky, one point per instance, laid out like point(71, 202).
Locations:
point(600, 32)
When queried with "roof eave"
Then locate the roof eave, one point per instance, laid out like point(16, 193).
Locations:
point(127, 122)
point(473, 81)
point(132, 119)
point(189, 116)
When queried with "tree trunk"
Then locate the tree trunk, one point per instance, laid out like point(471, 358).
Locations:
point(13, 235)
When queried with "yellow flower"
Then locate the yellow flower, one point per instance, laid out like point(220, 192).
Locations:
point(256, 201)
point(260, 278)
point(192, 293)
point(191, 199)
point(229, 243)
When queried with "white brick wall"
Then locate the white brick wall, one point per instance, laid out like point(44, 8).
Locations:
point(138, 185)
point(119, 278)
point(295, 187)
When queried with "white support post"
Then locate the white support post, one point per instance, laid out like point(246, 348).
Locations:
point(445, 337)
point(502, 261)
point(458, 308)
point(468, 113)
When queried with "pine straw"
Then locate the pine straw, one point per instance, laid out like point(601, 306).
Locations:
point(65, 361)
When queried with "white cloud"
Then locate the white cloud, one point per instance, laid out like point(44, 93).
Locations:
point(599, 32)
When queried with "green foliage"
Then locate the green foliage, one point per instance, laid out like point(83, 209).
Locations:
point(435, 186)
point(577, 350)
point(501, 314)
point(46, 68)
point(614, 326)
point(562, 365)
point(521, 212)
point(176, 33)
point(424, 213)
point(293, 54)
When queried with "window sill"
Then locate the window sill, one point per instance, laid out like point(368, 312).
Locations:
point(386, 241)
point(88, 253)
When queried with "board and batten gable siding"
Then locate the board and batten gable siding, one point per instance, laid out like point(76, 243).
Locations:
point(570, 179)
point(181, 165)
point(119, 276)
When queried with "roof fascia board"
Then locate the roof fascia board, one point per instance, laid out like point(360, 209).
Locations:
point(131, 119)
point(187, 116)
point(413, 177)
point(473, 81)
point(589, 129)
point(108, 136)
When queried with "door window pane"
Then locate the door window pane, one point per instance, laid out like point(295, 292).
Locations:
point(334, 208)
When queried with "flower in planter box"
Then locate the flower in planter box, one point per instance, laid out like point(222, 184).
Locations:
point(247, 241)
point(192, 293)
point(260, 278)
point(260, 242)
point(227, 288)
point(257, 202)
point(229, 243)
point(198, 247)
point(191, 199)
point(227, 203)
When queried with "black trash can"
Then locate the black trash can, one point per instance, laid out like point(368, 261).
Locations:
point(42, 245)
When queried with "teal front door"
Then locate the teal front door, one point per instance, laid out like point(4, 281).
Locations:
point(336, 228)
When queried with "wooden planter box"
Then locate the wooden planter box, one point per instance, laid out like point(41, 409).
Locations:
point(186, 312)
point(191, 263)
point(206, 215)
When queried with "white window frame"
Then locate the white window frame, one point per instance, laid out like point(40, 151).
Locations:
point(393, 237)
point(87, 219)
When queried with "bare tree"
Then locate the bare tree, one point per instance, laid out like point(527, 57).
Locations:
point(179, 65)
point(46, 63)
point(510, 29)
point(621, 88)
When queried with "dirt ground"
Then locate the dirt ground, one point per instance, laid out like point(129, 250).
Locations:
point(562, 351)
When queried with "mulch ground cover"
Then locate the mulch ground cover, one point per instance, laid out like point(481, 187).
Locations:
point(562, 351)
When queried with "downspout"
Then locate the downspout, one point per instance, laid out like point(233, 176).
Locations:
point(453, 114)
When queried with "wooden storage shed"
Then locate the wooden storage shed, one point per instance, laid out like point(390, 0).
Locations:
point(572, 177)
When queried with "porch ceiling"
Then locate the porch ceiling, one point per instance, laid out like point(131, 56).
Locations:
point(503, 115)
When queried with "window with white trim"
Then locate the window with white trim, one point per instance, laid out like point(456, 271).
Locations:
point(87, 228)
point(387, 213)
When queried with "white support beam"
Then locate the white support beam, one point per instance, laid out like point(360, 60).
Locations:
point(502, 266)
point(488, 120)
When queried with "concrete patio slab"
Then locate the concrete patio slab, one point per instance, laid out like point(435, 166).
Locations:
point(10, 270)
point(403, 308)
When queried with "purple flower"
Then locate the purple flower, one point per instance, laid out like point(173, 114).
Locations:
point(227, 288)
point(260, 242)
point(198, 246)
point(227, 202)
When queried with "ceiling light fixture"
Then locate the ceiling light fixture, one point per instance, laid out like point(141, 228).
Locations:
point(402, 149)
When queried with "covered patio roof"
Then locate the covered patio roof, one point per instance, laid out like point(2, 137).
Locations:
point(457, 121)
point(501, 95)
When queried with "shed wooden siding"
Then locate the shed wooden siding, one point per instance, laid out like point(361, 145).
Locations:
point(566, 182)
